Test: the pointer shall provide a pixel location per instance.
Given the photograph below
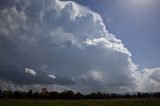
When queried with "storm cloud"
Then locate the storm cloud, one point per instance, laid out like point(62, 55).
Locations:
point(48, 42)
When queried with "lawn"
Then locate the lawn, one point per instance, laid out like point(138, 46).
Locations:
point(103, 102)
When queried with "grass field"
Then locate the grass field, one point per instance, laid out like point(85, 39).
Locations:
point(104, 102)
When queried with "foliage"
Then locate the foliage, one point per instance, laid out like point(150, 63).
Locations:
point(44, 94)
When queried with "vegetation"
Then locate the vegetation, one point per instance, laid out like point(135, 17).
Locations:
point(69, 98)
point(44, 94)
point(96, 102)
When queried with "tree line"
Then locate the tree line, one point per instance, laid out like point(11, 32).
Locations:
point(44, 94)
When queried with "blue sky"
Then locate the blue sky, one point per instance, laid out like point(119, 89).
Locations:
point(82, 45)
point(137, 26)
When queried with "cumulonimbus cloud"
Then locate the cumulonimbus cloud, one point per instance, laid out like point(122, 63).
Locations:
point(72, 41)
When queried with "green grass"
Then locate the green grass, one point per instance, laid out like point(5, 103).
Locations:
point(104, 102)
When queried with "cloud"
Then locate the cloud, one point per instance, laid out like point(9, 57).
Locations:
point(52, 76)
point(66, 40)
point(4, 85)
point(150, 80)
point(17, 75)
point(93, 76)
point(30, 71)
point(71, 40)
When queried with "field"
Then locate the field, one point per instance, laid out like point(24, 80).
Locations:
point(104, 102)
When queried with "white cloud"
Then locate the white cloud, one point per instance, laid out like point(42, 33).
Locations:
point(52, 76)
point(30, 71)
point(112, 43)
point(70, 41)
point(150, 80)
point(96, 75)
point(92, 76)
point(73, 40)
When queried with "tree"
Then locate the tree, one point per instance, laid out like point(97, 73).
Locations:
point(0, 94)
point(156, 94)
point(54, 95)
point(36, 95)
point(17, 95)
point(7, 94)
point(29, 94)
point(78, 95)
point(44, 93)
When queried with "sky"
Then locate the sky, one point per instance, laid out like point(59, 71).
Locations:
point(81, 45)
point(136, 24)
